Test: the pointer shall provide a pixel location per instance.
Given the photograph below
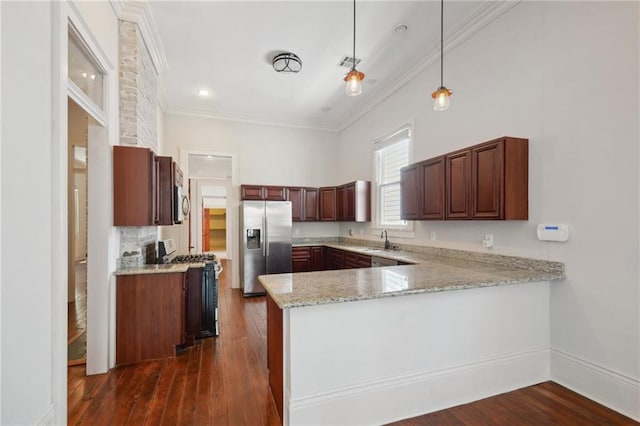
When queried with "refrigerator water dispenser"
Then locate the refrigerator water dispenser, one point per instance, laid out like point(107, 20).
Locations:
point(253, 239)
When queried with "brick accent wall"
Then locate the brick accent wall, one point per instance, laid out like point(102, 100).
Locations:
point(138, 127)
point(138, 90)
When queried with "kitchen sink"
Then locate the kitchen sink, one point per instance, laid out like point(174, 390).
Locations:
point(371, 250)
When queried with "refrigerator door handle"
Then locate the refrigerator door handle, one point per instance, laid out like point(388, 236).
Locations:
point(266, 235)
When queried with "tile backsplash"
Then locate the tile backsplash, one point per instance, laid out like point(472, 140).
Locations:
point(137, 245)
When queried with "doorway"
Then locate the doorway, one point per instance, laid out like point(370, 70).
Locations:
point(77, 224)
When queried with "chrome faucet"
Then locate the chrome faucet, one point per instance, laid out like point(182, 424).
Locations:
point(384, 235)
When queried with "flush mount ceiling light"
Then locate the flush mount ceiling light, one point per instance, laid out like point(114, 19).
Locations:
point(287, 62)
point(354, 77)
point(400, 28)
point(442, 94)
point(204, 93)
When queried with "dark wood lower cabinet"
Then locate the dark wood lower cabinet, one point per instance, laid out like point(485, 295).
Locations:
point(356, 260)
point(317, 258)
point(301, 259)
point(193, 314)
point(333, 259)
point(150, 316)
point(274, 353)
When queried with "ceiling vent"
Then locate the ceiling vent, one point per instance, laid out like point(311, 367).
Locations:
point(347, 62)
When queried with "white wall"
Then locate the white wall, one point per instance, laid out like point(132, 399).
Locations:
point(542, 71)
point(262, 154)
point(26, 380)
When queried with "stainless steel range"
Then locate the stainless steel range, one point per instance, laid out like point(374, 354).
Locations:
point(202, 289)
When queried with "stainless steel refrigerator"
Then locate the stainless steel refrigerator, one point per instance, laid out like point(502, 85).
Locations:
point(265, 231)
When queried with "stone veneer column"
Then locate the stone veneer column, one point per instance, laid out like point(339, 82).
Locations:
point(138, 90)
point(138, 122)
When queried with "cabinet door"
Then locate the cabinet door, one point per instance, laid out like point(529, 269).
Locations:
point(340, 203)
point(274, 193)
point(458, 181)
point(350, 202)
point(487, 167)
point(310, 204)
point(251, 192)
point(301, 259)
point(410, 191)
point(134, 186)
point(317, 258)
point(296, 196)
point(164, 190)
point(334, 258)
point(432, 199)
point(328, 204)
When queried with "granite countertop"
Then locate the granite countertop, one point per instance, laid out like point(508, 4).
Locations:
point(168, 268)
point(433, 270)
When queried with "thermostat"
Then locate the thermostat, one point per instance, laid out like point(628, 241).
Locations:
point(553, 232)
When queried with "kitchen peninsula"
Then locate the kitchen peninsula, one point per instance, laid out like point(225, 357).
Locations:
point(374, 345)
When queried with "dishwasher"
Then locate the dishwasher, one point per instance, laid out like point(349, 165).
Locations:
point(382, 261)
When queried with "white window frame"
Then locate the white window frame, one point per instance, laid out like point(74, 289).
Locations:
point(406, 230)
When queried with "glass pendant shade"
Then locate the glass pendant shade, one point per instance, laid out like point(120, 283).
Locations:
point(441, 98)
point(354, 82)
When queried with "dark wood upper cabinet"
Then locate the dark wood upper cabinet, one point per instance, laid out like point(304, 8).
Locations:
point(411, 192)
point(328, 203)
point(275, 193)
point(353, 202)
point(500, 182)
point(432, 199)
point(143, 186)
point(304, 203)
point(311, 201)
point(251, 192)
point(296, 196)
point(350, 202)
point(458, 185)
point(486, 181)
point(261, 192)
point(164, 190)
point(341, 203)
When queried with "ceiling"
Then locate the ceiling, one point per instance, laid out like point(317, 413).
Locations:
point(226, 47)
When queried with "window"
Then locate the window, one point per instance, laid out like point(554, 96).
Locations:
point(392, 153)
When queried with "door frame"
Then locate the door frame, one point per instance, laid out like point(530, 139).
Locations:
point(233, 204)
point(102, 260)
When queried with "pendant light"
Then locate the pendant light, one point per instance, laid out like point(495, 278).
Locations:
point(442, 94)
point(354, 77)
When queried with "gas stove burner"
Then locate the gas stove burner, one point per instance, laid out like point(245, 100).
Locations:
point(194, 258)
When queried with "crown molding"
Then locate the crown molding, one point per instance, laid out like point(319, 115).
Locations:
point(139, 13)
point(238, 118)
point(464, 30)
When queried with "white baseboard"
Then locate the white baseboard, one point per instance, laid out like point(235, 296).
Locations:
point(612, 389)
point(48, 417)
point(423, 392)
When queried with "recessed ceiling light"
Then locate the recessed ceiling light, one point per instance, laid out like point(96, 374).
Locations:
point(204, 93)
point(400, 28)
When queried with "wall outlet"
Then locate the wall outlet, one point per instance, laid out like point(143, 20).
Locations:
point(488, 241)
point(432, 236)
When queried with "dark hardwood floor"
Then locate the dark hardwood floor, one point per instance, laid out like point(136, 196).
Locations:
point(77, 318)
point(223, 381)
point(544, 404)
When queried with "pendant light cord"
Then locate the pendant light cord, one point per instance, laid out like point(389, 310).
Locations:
point(354, 36)
point(441, 43)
